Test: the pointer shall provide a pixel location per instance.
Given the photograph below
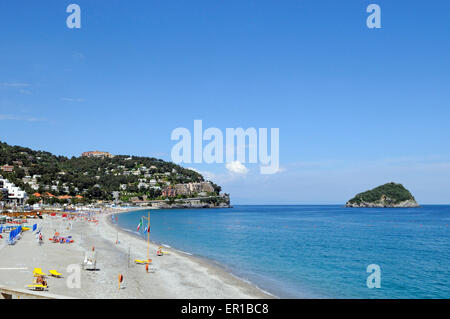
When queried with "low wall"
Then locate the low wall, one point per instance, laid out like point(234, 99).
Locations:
point(14, 293)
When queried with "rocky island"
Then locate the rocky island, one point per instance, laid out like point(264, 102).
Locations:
point(387, 195)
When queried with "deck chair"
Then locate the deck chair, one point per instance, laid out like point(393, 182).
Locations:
point(54, 273)
point(38, 272)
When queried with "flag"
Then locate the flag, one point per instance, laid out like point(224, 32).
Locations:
point(147, 229)
point(140, 224)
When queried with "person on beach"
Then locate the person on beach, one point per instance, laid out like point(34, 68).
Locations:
point(40, 280)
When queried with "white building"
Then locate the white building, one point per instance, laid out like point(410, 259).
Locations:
point(31, 181)
point(15, 194)
point(143, 185)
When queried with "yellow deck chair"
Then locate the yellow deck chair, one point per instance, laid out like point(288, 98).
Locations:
point(54, 273)
point(38, 272)
point(37, 287)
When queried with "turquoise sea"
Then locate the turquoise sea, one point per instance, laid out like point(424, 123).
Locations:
point(316, 251)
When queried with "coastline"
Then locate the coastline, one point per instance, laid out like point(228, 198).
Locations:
point(175, 276)
point(223, 272)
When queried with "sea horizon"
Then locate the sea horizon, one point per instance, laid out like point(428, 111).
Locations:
point(330, 271)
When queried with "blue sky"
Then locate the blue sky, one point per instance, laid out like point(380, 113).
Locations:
point(356, 107)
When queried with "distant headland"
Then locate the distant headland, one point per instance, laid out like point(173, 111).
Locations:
point(387, 195)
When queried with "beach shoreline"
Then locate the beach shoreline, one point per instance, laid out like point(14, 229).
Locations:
point(193, 257)
point(176, 275)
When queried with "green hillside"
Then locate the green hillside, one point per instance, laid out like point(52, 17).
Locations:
point(93, 178)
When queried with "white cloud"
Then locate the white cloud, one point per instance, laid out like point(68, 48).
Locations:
point(236, 167)
point(14, 84)
point(10, 117)
point(68, 99)
point(22, 87)
point(279, 170)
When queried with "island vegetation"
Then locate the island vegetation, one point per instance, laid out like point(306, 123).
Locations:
point(387, 195)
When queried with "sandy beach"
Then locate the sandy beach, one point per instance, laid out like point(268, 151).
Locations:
point(176, 275)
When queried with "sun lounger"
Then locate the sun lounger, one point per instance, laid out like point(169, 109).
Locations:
point(38, 287)
point(54, 273)
point(142, 262)
point(38, 272)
